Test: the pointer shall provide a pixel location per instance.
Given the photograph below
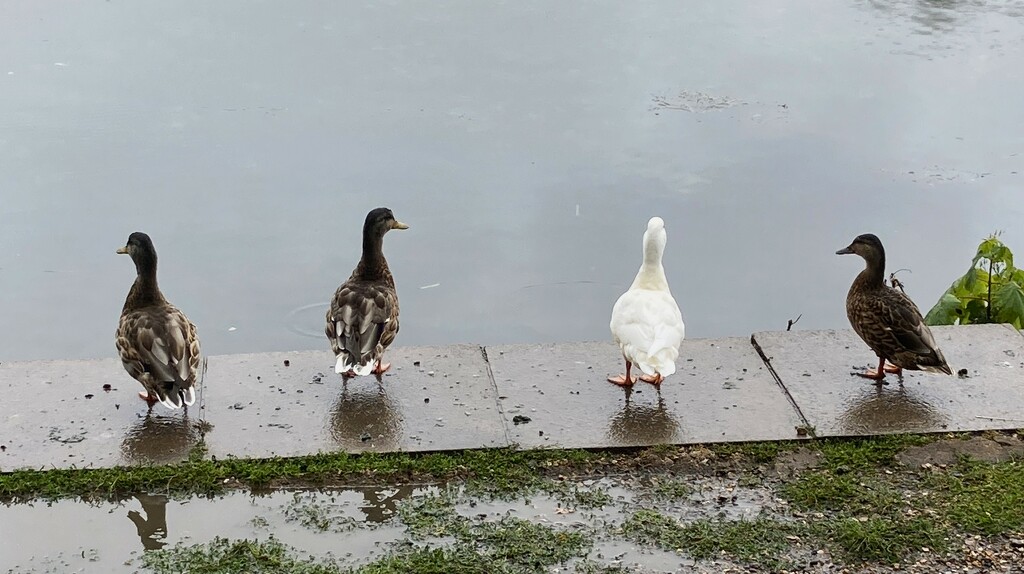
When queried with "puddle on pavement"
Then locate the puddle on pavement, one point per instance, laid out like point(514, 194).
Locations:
point(654, 423)
point(73, 536)
point(160, 439)
point(364, 413)
point(881, 410)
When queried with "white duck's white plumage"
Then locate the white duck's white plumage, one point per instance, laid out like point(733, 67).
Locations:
point(646, 322)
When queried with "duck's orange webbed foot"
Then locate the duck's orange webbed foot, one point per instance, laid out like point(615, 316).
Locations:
point(877, 375)
point(621, 381)
point(381, 368)
point(873, 374)
point(891, 368)
point(654, 379)
point(150, 398)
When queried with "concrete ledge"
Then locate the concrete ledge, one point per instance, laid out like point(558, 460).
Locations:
point(433, 398)
point(816, 366)
point(56, 414)
point(721, 392)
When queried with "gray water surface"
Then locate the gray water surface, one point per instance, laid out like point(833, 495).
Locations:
point(526, 144)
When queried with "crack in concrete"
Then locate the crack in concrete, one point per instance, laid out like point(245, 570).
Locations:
point(497, 396)
point(782, 385)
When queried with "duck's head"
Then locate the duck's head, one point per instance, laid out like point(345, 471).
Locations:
point(655, 239)
point(140, 249)
point(379, 221)
point(867, 246)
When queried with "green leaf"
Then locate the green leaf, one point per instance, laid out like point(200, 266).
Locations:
point(1017, 275)
point(973, 283)
point(976, 311)
point(945, 310)
point(1008, 301)
point(967, 282)
point(995, 252)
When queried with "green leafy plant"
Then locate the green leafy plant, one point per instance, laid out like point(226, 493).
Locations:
point(990, 291)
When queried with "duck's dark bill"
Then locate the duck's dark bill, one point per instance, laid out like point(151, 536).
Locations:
point(844, 251)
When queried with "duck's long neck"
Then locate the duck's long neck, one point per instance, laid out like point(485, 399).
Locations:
point(652, 273)
point(873, 275)
point(372, 265)
point(144, 291)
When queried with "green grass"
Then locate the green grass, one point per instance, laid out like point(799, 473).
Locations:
point(884, 538)
point(433, 515)
point(670, 489)
point(493, 471)
point(573, 495)
point(870, 452)
point(981, 498)
point(760, 541)
point(857, 502)
point(501, 473)
point(458, 560)
point(317, 516)
point(515, 544)
point(824, 490)
point(529, 547)
point(877, 512)
point(222, 556)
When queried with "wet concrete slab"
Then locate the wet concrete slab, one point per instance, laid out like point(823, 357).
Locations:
point(721, 392)
point(816, 367)
point(56, 414)
point(433, 398)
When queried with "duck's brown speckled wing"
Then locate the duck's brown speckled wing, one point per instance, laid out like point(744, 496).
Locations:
point(892, 325)
point(159, 347)
point(362, 320)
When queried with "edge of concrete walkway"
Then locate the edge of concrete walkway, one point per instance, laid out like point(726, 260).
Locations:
point(770, 386)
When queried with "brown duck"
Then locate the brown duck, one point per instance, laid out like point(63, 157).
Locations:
point(886, 319)
point(157, 343)
point(362, 320)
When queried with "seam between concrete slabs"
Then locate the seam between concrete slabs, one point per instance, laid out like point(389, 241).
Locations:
point(782, 385)
point(497, 397)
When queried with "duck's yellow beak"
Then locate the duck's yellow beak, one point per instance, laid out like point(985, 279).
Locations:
point(399, 225)
point(122, 251)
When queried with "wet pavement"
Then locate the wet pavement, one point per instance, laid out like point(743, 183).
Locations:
point(721, 392)
point(56, 414)
point(815, 367)
point(433, 398)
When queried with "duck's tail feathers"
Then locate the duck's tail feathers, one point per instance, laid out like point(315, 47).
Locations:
point(176, 394)
point(943, 368)
point(346, 364)
point(936, 363)
point(661, 362)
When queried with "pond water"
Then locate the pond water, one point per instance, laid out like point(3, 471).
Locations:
point(525, 143)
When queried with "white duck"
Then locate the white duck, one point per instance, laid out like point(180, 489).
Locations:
point(646, 322)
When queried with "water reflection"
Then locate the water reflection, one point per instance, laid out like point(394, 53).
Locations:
point(639, 423)
point(881, 410)
point(307, 320)
point(160, 439)
point(365, 417)
point(943, 16)
point(381, 504)
point(152, 529)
